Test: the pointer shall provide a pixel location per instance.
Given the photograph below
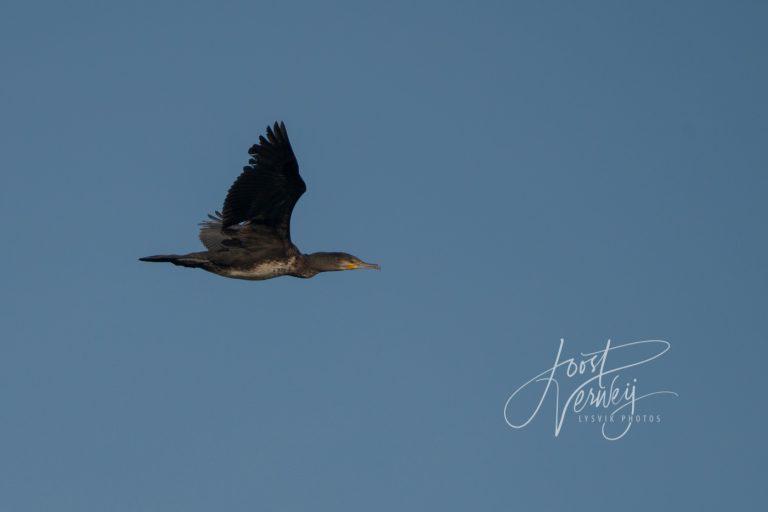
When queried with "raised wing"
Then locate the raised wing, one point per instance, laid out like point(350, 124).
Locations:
point(268, 188)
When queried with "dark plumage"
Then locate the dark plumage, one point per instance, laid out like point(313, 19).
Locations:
point(251, 237)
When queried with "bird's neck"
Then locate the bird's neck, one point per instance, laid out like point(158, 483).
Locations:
point(320, 262)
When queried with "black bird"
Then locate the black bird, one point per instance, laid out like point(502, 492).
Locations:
point(251, 237)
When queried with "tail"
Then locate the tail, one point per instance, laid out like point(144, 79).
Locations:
point(189, 260)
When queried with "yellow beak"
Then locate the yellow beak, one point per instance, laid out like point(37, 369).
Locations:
point(363, 265)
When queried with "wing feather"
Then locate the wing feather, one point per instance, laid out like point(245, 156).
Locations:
point(266, 192)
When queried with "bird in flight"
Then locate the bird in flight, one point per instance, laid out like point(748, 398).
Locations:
point(251, 237)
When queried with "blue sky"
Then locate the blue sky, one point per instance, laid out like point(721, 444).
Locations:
point(523, 172)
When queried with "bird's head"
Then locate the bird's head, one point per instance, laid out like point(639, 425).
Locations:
point(332, 261)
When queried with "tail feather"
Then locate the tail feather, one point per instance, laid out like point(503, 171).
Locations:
point(161, 258)
point(182, 261)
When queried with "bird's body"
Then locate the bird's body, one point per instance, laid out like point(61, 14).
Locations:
point(266, 269)
point(250, 239)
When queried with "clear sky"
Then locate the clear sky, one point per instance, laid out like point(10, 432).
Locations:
point(523, 172)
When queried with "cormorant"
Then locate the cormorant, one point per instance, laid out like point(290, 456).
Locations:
point(251, 237)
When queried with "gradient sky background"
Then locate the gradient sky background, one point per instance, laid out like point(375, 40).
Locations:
point(522, 171)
